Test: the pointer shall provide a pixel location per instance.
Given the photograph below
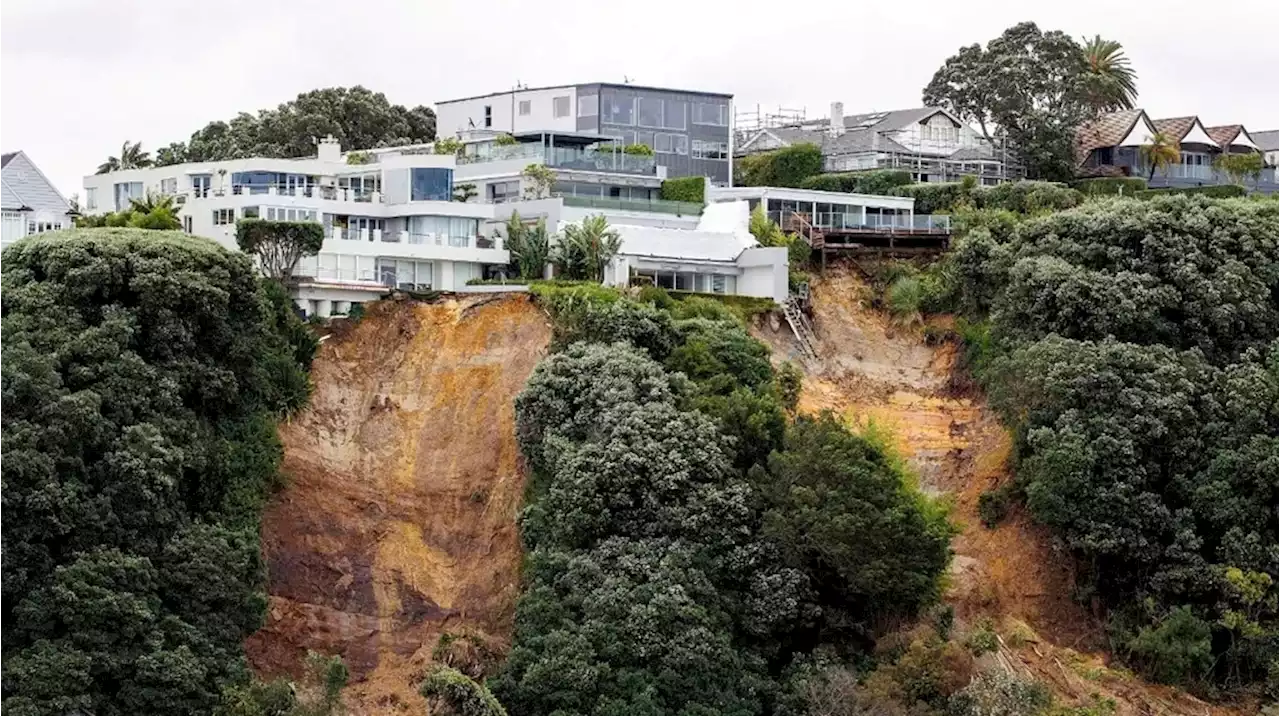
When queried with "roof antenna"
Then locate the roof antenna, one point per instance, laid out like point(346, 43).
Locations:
point(626, 80)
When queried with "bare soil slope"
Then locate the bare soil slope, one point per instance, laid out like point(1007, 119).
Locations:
point(870, 369)
point(399, 519)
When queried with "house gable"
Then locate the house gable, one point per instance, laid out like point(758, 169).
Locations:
point(1141, 133)
point(1198, 135)
point(25, 181)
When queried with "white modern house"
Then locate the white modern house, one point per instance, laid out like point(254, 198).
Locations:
point(396, 219)
point(29, 203)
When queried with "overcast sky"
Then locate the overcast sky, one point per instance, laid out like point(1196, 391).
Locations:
point(77, 77)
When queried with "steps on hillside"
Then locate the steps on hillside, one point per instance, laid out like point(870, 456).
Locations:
point(801, 327)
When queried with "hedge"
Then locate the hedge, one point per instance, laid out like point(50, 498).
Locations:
point(1217, 191)
point(690, 189)
point(1109, 186)
point(1022, 197)
point(934, 197)
point(875, 181)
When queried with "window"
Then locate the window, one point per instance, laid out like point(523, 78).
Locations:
point(710, 150)
point(560, 106)
point(282, 214)
point(91, 198)
point(430, 184)
point(251, 212)
point(617, 110)
point(662, 143)
point(125, 191)
point(200, 185)
point(649, 112)
point(39, 227)
point(673, 114)
point(645, 138)
point(715, 115)
point(222, 217)
point(169, 186)
point(499, 192)
point(488, 115)
point(186, 224)
point(524, 107)
point(680, 143)
point(588, 105)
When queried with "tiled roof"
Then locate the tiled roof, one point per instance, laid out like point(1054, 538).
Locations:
point(1224, 134)
point(1105, 131)
point(1268, 141)
point(1174, 127)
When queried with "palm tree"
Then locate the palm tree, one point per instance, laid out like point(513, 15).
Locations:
point(131, 157)
point(593, 243)
point(529, 246)
point(1112, 83)
point(1160, 152)
point(152, 202)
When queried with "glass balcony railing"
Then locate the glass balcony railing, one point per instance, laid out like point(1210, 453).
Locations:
point(498, 153)
point(850, 221)
point(678, 208)
point(593, 160)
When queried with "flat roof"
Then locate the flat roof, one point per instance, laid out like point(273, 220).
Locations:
point(584, 84)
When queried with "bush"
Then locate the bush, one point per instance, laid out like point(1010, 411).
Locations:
point(1216, 191)
point(875, 181)
point(904, 298)
point(690, 189)
point(452, 693)
point(279, 245)
point(1178, 650)
point(999, 693)
point(1028, 197)
point(938, 198)
point(994, 504)
point(1109, 186)
point(143, 372)
point(983, 639)
point(784, 167)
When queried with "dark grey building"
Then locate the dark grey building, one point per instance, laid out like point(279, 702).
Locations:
point(688, 131)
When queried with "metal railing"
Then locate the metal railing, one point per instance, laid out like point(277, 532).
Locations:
point(569, 158)
point(855, 221)
point(330, 193)
point(678, 208)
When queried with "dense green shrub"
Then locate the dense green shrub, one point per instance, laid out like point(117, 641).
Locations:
point(142, 375)
point(279, 245)
point(690, 189)
point(1109, 186)
point(788, 166)
point(1177, 650)
point(939, 197)
point(452, 693)
point(1029, 197)
point(1216, 191)
point(875, 181)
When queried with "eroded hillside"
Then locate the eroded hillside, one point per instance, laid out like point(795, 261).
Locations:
point(870, 369)
point(398, 521)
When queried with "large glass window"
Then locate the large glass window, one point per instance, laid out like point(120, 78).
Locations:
point(649, 112)
point(430, 184)
point(560, 106)
point(662, 143)
point(617, 110)
point(125, 191)
point(716, 115)
point(501, 191)
point(588, 105)
point(673, 114)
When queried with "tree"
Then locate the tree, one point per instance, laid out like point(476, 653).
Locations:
point(279, 245)
point(451, 693)
point(788, 166)
point(540, 180)
point(1160, 153)
point(357, 117)
point(464, 192)
point(142, 378)
point(529, 246)
point(1031, 84)
point(175, 153)
point(595, 242)
point(1239, 165)
point(1111, 81)
point(131, 157)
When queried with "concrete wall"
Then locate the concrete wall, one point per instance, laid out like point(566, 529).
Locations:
point(764, 273)
point(452, 116)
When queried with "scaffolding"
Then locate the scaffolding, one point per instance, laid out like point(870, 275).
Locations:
point(748, 122)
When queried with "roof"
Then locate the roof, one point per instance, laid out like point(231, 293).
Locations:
point(583, 84)
point(25, 186)
point(893, 119)
point(9, 198)
point(1268, 141)
point(679, 244)
point(4, 158)
point(1225, 134)
point(1105, 131)
point(1174, 127)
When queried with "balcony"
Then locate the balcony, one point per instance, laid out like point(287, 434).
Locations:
point(678, 208)
point(328, 193)
point(500, 153)
point(875, 223)
point(569, 158)
point(359, 239)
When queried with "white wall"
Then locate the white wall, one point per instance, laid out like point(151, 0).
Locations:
point(764, 273)
point(452, 117)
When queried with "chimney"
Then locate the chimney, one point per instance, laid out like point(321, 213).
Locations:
point(836, 125)
point(329, 150)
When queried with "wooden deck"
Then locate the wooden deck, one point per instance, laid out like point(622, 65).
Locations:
point(870, 241)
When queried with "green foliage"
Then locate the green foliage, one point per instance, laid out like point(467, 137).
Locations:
point(876, 181)
point(447, 146)
point(1239, 165)
point(937, 198)
point(131, 156)
point(638, 150)
point(586, 248)
point(451, 693)
point(689, 189)
point(922, 680)
point(1160, 152)
point(994, 504)
point(142, 374)
point(765, 229)
point(983, 639)
point(1033, 85)
point(1030, 197)
point(1177, 650)
point(904, 297)
point(1215, 191)
point(357, 117)
point(539, 179)
point(358, 158)
point(788, 166)
point(1110, 186)
point(999, 693)
point(279, 245)
point(1110, 82)
point(505, 140)
point(529, 246)
point(462, 193)
point(318, 694)
point(155, 212)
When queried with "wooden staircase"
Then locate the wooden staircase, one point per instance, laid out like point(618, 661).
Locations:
point(798, 223)
point(800, 325)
